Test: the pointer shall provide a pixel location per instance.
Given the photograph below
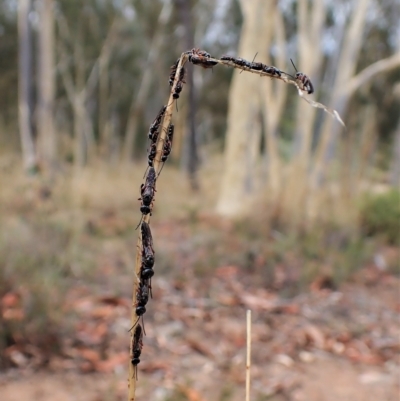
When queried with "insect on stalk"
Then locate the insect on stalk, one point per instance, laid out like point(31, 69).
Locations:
point(304, 80)
point(155, 126)
point(179, 85)
point(201, 58)
point(173, 72)
point(167, 146)
point(142, 297)
point(238, 61)
point(147, 191)
point(152, 154)
point(253, 65)
point(272, 71)
point(146, 269)
point(137, 345)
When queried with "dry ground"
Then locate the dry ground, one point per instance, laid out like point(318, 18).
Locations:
point(314, 338)
point(324, 379)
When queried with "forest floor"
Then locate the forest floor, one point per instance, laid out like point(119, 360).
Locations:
point(319, 346)
point(313, 339)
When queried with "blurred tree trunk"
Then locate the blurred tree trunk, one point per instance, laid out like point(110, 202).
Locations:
point(311, 19)
point(106, 109)
point(47, 134)
point(244, 107)
point(273, 96)
point(139, 98)
point(190, 158)
point(104, 124)
point(79, 88)
point(395, 165)
point(310, 58)
point(24, 88)
point(351, 47)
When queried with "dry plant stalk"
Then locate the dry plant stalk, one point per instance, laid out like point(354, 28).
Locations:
point(248, 354)
point(202, 58)
point(287, 78)
point(138, 263)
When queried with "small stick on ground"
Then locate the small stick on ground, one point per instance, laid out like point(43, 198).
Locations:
point(248, 357)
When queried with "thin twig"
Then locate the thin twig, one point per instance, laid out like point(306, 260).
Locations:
point(248, 357)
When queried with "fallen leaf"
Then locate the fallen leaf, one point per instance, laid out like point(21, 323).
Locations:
point(10, 300)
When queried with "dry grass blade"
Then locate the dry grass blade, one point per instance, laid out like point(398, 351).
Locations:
point(318, 105)
point(248, 354)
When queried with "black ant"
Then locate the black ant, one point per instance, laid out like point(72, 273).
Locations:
point(152, 154)
point(238, 61)
point(201, 58)
point(154, 127)
point(272, 71)
point(137, 345)
point(148, 250)
point(305, 81)
point(177, 90)
point(179, 85)
point(173, 72)
point(167, 146)
point(146, 270)
point(147, 191)
point(257, 66)
point(142, 297)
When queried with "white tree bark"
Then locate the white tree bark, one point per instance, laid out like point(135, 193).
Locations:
point(273, 97)
point(78, 90)
point(24, 87)
point(139, 97)
point(46, 87)
point(339, 99)
point(243, 131)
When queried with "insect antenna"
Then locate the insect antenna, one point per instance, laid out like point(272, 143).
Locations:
point(144, 175)
point(160, 169)
point(293, 65)
point(251, 62)
point(176, 104)
point(134, 324)
point(135, 372)
point(140, 222)
point(144, 331)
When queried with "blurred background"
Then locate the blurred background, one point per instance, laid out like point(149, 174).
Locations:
point(266, 203)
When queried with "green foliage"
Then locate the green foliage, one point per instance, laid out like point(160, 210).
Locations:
point(380, 216)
